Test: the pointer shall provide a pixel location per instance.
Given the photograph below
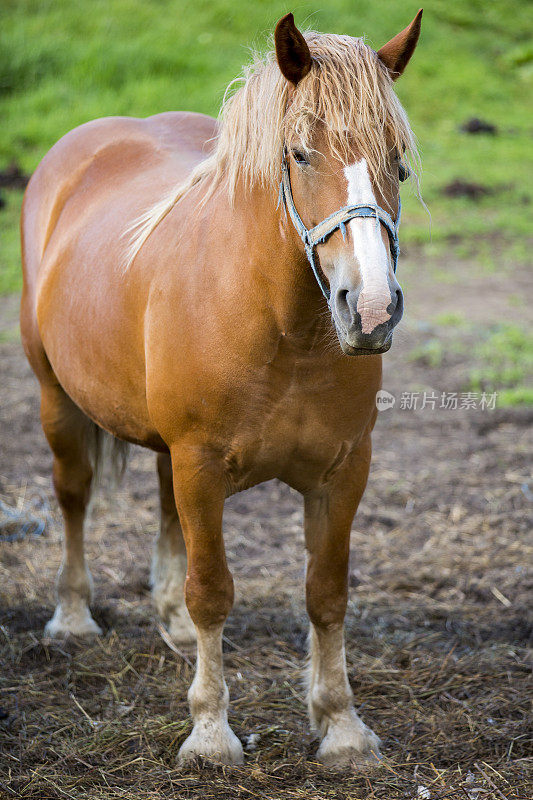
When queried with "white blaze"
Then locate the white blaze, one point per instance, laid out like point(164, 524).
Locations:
point(369, 250)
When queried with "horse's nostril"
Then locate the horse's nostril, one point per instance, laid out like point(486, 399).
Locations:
point(398, 307)
point(343, 306)
point(342, 295)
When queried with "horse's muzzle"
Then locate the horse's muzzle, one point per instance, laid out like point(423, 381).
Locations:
point(368, 331)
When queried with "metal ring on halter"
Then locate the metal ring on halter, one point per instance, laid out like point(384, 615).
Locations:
point(319, 233)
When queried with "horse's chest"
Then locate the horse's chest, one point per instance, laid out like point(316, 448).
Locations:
point(297, 435)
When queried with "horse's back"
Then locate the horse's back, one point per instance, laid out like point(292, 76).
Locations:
point(102, 156)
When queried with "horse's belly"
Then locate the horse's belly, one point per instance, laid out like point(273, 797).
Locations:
point(94, 346)
point(112, 401)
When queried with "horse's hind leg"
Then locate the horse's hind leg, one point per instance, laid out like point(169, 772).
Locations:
point(67, 428)
point(169, 565)
point(329, 513)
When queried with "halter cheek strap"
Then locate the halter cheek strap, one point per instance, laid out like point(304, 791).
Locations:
point(313, 236)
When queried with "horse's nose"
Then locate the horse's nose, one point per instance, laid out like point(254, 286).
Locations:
point(361, 313)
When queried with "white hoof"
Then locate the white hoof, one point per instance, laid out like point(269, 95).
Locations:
point(181, 627)
point(215, 741)
point(74, 620)
point(348, 741)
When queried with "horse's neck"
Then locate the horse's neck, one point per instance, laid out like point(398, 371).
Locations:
point(274, 257)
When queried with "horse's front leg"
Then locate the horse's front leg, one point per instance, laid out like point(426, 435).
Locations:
point(200, 492)
point(329, 514)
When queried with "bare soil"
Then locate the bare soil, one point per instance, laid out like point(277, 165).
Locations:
point(438, 624)
point(12, 177)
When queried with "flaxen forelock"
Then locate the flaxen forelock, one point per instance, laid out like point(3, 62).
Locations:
point(348, 90)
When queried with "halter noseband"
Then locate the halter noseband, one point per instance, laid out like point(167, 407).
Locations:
point(313, 236)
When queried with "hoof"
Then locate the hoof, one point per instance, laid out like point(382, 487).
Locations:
point(181, 627)
point(216, 743)
point(75, 621)
point(349, 742)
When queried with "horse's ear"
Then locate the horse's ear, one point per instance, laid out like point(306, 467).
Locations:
point(396, 53)
point(292, 52)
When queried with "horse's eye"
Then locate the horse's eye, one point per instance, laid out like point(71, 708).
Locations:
point(300, 157)
point(403, 172)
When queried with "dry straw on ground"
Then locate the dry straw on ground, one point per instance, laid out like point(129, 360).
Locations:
point(437, 626)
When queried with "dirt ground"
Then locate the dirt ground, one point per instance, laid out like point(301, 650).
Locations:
point(437, 629)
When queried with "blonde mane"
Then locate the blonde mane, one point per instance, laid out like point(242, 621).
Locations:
point(348, 89)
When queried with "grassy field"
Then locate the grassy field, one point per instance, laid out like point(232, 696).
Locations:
point(63, 63)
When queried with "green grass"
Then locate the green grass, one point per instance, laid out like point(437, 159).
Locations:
point(517, 396)
point(10, 276)
point(505, 361)
point(497, 358)
point(63, 63)
point(430, 353)
point(450, 319)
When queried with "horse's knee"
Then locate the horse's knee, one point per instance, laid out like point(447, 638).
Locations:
point(326, 599)
point(208, 595)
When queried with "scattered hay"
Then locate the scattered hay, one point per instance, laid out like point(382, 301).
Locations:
point(438, 625)
point(437, 638)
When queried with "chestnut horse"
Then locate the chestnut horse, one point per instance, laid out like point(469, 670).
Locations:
point(205, 334)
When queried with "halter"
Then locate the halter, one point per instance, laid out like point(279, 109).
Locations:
point(313, 236)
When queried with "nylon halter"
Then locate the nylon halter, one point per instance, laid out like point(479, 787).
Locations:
point(313, 236)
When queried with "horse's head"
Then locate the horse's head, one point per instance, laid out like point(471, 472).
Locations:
point(330, 169)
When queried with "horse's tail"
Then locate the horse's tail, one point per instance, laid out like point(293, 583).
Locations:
point(107, 454)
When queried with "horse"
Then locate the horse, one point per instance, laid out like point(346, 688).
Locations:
point(221, 292)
